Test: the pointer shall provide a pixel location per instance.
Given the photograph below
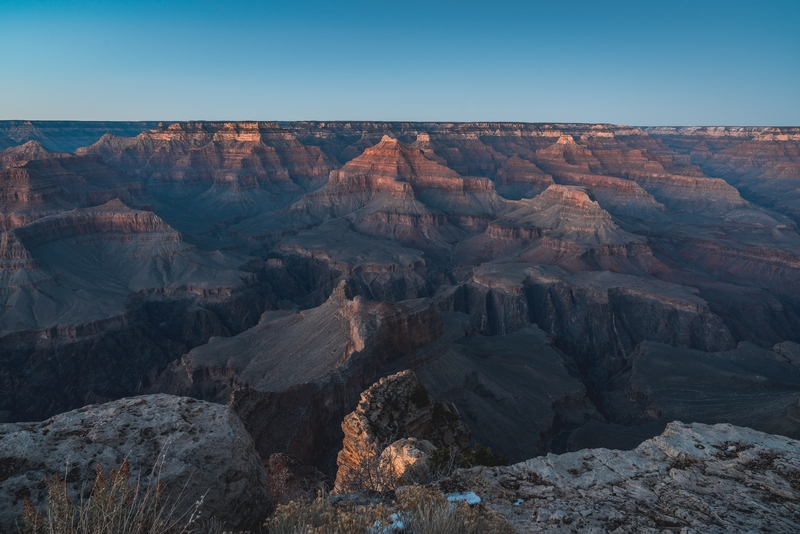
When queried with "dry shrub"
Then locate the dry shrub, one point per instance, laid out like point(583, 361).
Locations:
point(116, 506)
point(321, 517)
point(426, 511)
point(416, 510)
point(369, 476)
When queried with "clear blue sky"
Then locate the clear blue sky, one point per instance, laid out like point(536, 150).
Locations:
point(629, 62)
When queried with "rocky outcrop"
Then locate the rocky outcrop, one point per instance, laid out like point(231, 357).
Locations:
point(406, 461)
point(63, 367)
point(105, 254)
point(788, 352)
point(561, 226)
point(763, 163)
point(18, 156)
point(217, 173)
point(316, 260)
point(294, 376)
point(691, 478)
point(391, 432)
point(394, 190)
point(196, 450)
point(616, 311)
point(93, 299)
point(38, 183)
point(191, 152)
point(226, 161)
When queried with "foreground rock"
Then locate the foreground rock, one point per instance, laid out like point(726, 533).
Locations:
point(691, 478)
point(375, 453)
point(204, 447)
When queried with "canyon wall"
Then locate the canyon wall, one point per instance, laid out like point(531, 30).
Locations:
point(535, 276)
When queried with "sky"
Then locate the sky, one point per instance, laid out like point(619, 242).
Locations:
point(646, 62)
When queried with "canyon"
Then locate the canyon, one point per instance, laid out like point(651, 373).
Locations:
point(559, 286)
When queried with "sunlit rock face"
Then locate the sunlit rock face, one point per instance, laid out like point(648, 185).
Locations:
point(543, 269)
point(393, 190)
point(395, 426)
point(35, 182)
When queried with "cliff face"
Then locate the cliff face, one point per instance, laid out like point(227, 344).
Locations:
point(36, 182)
point(560, 253)
point(393, 190)
point(762, 163)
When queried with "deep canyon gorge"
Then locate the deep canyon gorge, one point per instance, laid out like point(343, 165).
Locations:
point(560, 287)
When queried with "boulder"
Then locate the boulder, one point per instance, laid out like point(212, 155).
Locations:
point(199, 451)
point(406, 461)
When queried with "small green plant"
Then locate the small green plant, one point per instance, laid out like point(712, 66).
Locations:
point(116, 506)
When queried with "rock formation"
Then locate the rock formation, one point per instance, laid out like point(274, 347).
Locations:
point(692, 478)
point(293, 377)
point(518, 178)
point(389, 436)
point(393, 190)
point(140, 257)
point(194, 449)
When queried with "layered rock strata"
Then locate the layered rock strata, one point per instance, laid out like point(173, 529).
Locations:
point(37, 183)
point(393, 190)
point(604, 236)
